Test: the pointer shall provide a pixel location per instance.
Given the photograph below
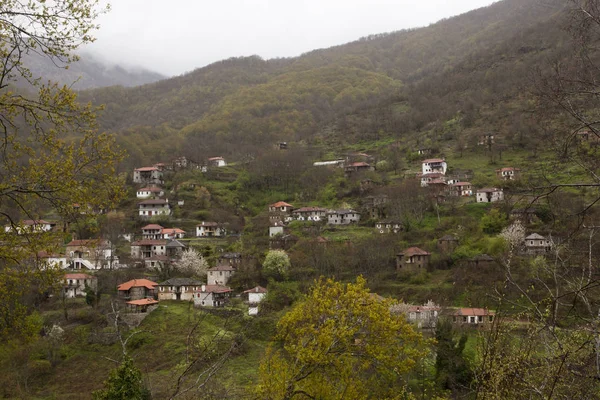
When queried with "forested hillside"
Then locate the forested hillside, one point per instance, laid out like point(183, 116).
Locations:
point(476, 64)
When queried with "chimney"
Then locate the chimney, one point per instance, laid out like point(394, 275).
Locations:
point(203, 288)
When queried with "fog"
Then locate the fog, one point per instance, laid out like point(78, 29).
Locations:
point(181, 35)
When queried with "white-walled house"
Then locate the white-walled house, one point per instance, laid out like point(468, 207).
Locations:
point(52, 260)
point(151, 175)
point(473, 316)
point(508, 173)
point(217, 162)
point(75, 284)
point(276, 228)
point(147, 248)
point(210, 229)
point(154, 207)
point(310, 214)
point(254, 297)
point(434, 165)
point(90, 254)
point(152, 231)
point(31, 226)
point(172, 233)
point(490, 195)
point(147, 192)
point(342, 217)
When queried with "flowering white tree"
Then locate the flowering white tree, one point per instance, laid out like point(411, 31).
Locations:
point(192, 263)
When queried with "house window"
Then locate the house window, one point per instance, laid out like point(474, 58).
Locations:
point(491, 318)
point(480, 318)
point(465, 319)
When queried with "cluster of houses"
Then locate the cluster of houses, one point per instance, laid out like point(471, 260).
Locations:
point(427, 316)
point(433, 175)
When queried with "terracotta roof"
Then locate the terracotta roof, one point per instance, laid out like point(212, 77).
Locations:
point(437, 182)
point(322, 239)
point(412, 308)
point(214, 289)
point(462, 184)
point(142, 302)
point(359, 164)
point(151, 189)
point(473, 312)
point(137, 283)
point(215, 158)
point(414, 251)
point(222, 267)
point(258, 289)
point(79, 276)
point(152, 226)
point(280, 204)
point(172, 230)
point(150, 242)
point(145, 169)
point(433, 160)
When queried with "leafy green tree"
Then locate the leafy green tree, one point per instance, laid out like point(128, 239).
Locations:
point(340, 341)
point(276, 264)
point(52, 157)
point(123, 383)
point(493, 222)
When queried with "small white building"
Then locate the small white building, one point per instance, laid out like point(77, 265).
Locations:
point(147, 192)
point(490, 195)
point(172, 233)
point(52, 260)
point(343, 217)
point(217, 162)
point(75, 284)
point(254, 296)
point(276, 228)
point(154, 207)
point(434, 165)
point(152, 231)
point(210, 229)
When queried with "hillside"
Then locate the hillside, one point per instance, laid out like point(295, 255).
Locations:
point(468, 64)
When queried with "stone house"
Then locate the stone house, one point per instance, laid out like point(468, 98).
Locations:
point(389, 227)
point(412, 259)
point(536, 244)
point(151, 175)
point(210, 229)
point(154, 207)
point(212, 296)
point(75, 284)
point(136, 289)
point(178, 289)
point(230, 258)
point(220, 274)
point(152, 231)
point(489, 195)
point(432, 177)
point(462, 189)
point(310, 214)
point(473, 316)
point(343, 217)
point(447, 243)
point(90, 254)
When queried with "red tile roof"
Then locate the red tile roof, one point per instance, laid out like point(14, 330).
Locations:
point(359, 164)
point(37, 222)
point(152, 226)
point(145, 169)
point(215, 158)
point(258, 289)
point(473, 312)
point(214, 289)
point(137, 283)
point(433, 160)
point(414, 251)
point(151, 189)
point(172, 230)
point(281, 204)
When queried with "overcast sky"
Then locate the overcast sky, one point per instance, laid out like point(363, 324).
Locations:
point(176, 36)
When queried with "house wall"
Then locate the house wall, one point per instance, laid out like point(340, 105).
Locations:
point(218, 277)
point(275, 230)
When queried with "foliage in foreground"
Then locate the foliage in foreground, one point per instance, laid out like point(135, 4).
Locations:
point(340, 342)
